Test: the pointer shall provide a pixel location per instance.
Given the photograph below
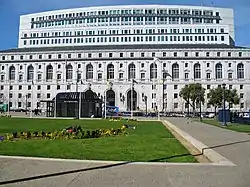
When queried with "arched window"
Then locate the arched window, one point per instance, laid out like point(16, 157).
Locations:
point(12, 72)
point(131, 71)
point(218, 71)
point(89, 72)
point(30, 74)
point(175, 71)
point(197, 71)
point(110, 72)
point(69, 72)
point(153, 71)
point(240, 71)
point(49, 73)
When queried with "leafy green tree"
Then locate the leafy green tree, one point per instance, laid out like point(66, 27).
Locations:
point(215, 97)
point(193, 94)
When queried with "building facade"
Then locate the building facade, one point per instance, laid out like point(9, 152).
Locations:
point(106, 48)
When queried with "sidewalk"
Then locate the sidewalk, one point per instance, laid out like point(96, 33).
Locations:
point(233, 145)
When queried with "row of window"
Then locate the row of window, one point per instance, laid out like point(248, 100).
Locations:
point(131, 73)
point(122, 39)
point(121, 55)
point(136, 11)
point(105, 21)
point(58, 87)
point(123, 31)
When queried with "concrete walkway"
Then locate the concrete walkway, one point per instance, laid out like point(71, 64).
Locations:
point(232, 145)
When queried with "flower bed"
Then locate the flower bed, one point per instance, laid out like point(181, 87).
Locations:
point(69, 133)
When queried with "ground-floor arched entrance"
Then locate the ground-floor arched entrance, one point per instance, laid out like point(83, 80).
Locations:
point(134, 100)
point(110, 98)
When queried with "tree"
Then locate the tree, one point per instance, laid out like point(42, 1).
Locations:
point(193, 94)
point(215, 97)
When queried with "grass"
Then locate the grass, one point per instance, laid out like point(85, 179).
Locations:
point(149, 141)
point(231, 126)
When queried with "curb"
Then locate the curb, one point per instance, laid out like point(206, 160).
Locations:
point(212, 155)
point(111, 162)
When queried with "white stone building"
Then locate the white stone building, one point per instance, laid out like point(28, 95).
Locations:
point(107, 47)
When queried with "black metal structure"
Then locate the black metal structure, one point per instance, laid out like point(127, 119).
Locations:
point(67, 104)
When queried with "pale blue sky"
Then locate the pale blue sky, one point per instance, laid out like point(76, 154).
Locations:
point(10, 10)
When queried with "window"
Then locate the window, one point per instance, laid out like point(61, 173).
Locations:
point(175, 95)
point(175, 105)
point(59, 56)
point(131, 71)
point(99, 76)
point(218, 54)
point(153, 54)
point(19, 95)
point(218, 71)
point(19, 104)
point(48, 87)
point(240, 54)
point(175, 87)
point(175, 54)
point(230, 76)
point(208, 76)
point(110, 55)
point(30, 75)
point(208, 64)
point(175, 71)
point(241, 95)
point(207, 54)
point(31, 57)
point(58, 87)
point(100, 55)
point(121, 54)
point(29, 87)
point(48, 95)
point(69, 72)
point(89, 72)
point(186, 65)
point(142, 54)
point(12, 72)
point(142, 65)
point(208, 87)
point(241, 87)
point(229, 65)
point(240, 71)
point(49, 56)
point(68, 87)
point(49, 73)
point(186, 54)
point(38, 96)
point(120, 76)
point(131, 54)
point(110, 71)
point(153, 71)
point(186, 76)
point(39, 87)
point(241, 105)
point(79, 55)
point(142, 76)
point(197, 71)
point(196, 54)
point(89, 55)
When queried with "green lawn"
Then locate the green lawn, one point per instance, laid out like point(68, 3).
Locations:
point(231, 126)
point(149, 141)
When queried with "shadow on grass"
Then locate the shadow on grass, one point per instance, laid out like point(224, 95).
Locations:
point(112, 165)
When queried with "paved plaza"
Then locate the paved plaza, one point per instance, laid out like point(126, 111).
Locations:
point(234, 146)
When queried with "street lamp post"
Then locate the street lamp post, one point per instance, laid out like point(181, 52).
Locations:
point(146, 104)
point(200, 105)
point(224, 106)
